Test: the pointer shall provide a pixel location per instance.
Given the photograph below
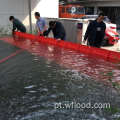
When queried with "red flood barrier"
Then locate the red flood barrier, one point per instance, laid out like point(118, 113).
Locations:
point(72, 46)
point(114, 57)
point(99, 53)
point(95, 52)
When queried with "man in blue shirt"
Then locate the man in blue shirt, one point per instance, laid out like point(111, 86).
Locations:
point(41, 24)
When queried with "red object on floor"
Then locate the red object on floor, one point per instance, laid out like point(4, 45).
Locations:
point(95, 52)
point(11, 55)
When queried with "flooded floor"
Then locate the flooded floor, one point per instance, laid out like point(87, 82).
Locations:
point(44, 82)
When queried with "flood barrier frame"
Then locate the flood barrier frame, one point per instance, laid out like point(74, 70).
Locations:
point(107, 55)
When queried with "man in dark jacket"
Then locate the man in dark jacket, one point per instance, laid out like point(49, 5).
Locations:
point(95, 32)
point(17, 25)
point(57, 29)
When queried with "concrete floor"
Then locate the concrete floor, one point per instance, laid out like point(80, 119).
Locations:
point(115, 48)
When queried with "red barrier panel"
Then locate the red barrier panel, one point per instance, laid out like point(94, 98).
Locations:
point(72, 46)
point(61, 44)
point(96, 52)
point(101, 53)
point(85, 49)
point(114, 57)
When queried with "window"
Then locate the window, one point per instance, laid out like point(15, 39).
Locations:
point(80, 10)
point(76, 10)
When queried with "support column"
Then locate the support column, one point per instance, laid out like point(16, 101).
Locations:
point(30, 15)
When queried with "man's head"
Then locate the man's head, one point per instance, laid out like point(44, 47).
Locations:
point(100, 17)
point(37, 15)
point(52, 24)
point(11, 18)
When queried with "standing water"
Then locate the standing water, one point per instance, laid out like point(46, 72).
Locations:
point(51, 83)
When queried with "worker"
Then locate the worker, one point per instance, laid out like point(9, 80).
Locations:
point(57, 29)
point(41, 24)
point(95, 32)
point(17, 25)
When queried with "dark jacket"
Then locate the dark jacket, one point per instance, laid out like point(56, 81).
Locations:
point(94, 37)
point(58, 31)
point(18, 25)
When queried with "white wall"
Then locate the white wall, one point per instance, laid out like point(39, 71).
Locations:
point(12, 7)
point(19, 8)
point(47, 8)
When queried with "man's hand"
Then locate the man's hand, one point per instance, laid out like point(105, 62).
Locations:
point(40, 33)
point(58, 39)
point(45, 33)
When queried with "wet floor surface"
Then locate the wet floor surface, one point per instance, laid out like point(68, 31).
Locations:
point(33, 82)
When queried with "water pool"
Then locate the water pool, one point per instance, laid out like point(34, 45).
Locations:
point(33, 81)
